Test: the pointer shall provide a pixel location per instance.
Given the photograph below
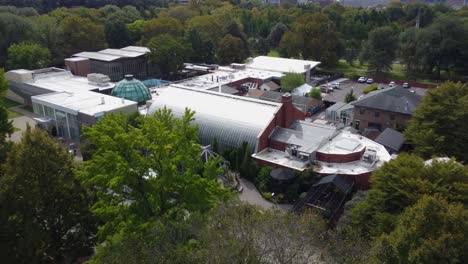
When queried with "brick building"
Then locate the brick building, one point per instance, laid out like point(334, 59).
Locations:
point(388, 108)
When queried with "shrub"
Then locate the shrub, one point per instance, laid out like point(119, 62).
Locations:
point(291, 81)
point(370, 88)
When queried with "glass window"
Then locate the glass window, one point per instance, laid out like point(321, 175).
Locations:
point(362, 111)
point(376, 114)
point(392, 117)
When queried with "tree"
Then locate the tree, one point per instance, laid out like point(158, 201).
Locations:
point(117, 33)
point(352, 50)
point(82, 34)
point(439, 124)
point(315, 93)
point(13, 29)
point(431, 231)
point(231, 49)
point(240, 233)
point(291, 80)
point(147, 172)
point(203, 49)
point(28, 56)
point(380, 49)
point(6, 126)
point(169, 53)
point(400, 183)
point(45, 211)
point(276, 33)
point(49, 34)
point(313, 37)
point(159, 26)
point(350, 97)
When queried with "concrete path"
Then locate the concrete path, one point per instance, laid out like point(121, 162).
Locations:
point(21, 123)
point(252, 196)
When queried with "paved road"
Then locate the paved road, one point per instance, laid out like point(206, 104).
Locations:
point(21, 123)
point(251, 195)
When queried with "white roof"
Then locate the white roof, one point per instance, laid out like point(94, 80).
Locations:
point(122, 53)
point(301, 90)
point(249, 111)
point(281, 64)
point(137, 49)
point(97, 56)
point(88, 103)
point(226, 75)
point(66, 82)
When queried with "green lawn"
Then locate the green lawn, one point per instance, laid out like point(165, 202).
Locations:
point(8, 103)
point(397, 73)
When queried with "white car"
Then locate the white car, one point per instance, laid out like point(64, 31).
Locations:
point(362, 79)
point(370, 81)
point(392, 84)
point(335, 85)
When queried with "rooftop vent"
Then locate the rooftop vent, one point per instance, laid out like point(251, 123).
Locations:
point(129, 77)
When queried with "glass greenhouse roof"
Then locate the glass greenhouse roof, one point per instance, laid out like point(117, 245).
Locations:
point(131, 89)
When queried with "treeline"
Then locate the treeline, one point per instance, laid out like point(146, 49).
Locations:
point(429, 40)
point(45, 6)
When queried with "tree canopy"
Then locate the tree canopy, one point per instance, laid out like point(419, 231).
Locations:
point(45, 211)
point(28, 56)
point(438, 126)
point(145, 169)
point(169, 53)
point(291, 81)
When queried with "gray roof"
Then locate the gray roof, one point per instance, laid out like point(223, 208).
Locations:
point(391, 138)
point(225, 89)
point(282, 174)
point(270, 85)
point(338, 180)
point(300, 102)
point(398, 100)
point(309, 136)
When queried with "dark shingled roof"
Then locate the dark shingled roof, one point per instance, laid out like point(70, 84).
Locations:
point(300, 102)
point(391, 139)
point(398, 100)
point(282, 174)
point(338, 180)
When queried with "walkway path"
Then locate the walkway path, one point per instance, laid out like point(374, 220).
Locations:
point(252, 196)
point(21, 123)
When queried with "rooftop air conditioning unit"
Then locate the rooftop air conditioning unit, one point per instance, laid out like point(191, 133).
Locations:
point(98, 79)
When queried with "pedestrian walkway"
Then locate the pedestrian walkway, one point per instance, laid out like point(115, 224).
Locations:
point(252, 196)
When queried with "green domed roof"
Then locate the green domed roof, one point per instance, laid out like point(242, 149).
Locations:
point(131, 89)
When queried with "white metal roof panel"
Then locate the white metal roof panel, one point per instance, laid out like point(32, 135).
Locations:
point(281, 64)
point(97, 56)
point(122, 53)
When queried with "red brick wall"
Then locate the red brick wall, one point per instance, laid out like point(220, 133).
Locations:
point(384, 118)
point(340, 158)
point(278, 145)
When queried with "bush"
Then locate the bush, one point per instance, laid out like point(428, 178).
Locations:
point(291, 81)
point(370, 88)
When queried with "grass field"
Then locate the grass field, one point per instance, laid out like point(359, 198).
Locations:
point(8, 103)
point(397, 73)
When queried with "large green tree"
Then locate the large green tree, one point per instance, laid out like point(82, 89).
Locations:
point(439, 125)
point(380, 49)
point(231, 49)
point(28, 56)
point(13, 29)
point(431, 231)
point(44, 211)
point(147, 170)
point(6, 126)
point(159, 26)
point(169, 53)
point(291, 80)
point(400, 183)
point(49, 34)
point(82, 34)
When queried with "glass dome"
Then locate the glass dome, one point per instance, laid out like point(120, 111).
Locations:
point(131, 89)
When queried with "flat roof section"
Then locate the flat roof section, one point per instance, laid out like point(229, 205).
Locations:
point(66, 82)
point(282, 65)
point(97, 56)
point(88, 103)
point(122, 53)
point(137, 49)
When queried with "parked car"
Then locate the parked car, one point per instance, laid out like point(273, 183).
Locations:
point(335, 85)
point(406, 85)
point(370, 80)
point(362, 79)
point(392, 84)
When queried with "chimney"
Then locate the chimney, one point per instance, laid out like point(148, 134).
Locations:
point(288, 110)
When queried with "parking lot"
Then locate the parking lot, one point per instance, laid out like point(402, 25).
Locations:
point(346, 85)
